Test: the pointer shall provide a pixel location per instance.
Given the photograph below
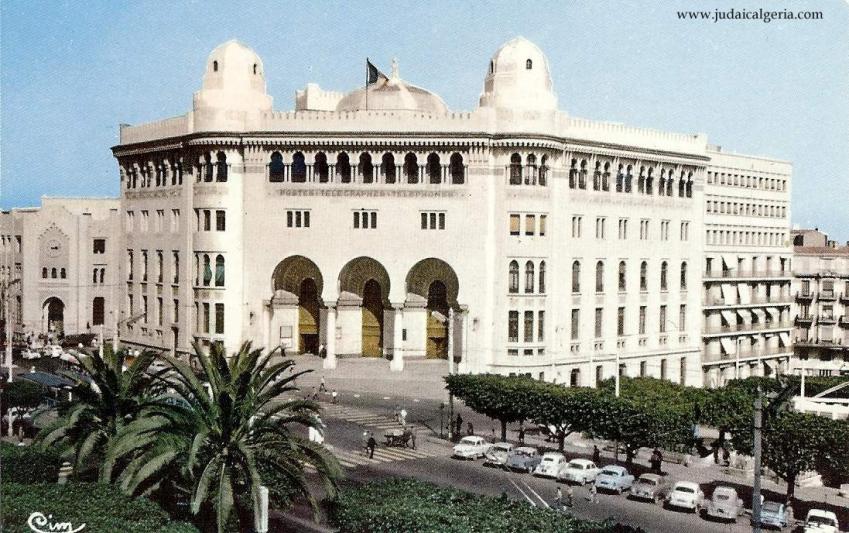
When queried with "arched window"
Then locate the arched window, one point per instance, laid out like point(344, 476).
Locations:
point(573, 174)
point(641, 180)
point(529, 64)
point(531, 171)
point(597, 176)
point(513, 278)
point(644, 280)
point(620, 180)
point(605, 178)
point(661, 184)
point(542, 277)
point(491, 67)
point(515, 169)
point(599, 277)
point(682, 186)
point(102, 274)
point(207, 168)
point(221, 167)
point(44, 272)
point(582, 176)
point(54, 273)
point(254, 68)
point(387, 168)
point(670, 184)
point(543, 170)
point(684, 276)
point(320, 167)
point(576, 276)
point(628, 178)
point(434, 169)
point(215, 66)
point(94, 276)
point(411, 168)
point(649, 181)
point(366, 168)
point(299, 168)
point(63, 273)
point(690, 186)
point(343, 167)
point(529, 277)
point(622, 279)
point(219, 271)
point(207, 271)
point(458, 171)
point(663, 276)
point(276, 168)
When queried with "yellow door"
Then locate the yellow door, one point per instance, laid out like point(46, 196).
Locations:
point(372, 320)
point(437, 335)
point(308, 310)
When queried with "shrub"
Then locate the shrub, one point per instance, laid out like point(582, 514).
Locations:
point(102, 508)
point(28, 464)
point(402, 505)
point(23, 394)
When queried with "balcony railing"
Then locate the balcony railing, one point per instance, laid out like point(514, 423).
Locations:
point(827, 295)
point(819, 343)
point(826, 319)
point(805, 318)
point(805, 295)
point(734, 273)
point(747, 327)
point(844, 298)
point(758, 353)
point(755, 300)
point(844, 321)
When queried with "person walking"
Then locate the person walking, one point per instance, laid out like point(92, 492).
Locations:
point(323, 386)
point(333, 396)
point(593, 496)
point(558, 500)
point(403, 415)
point(413, 436)
point(522, 440)
point(458, 425)
point(471, 429)
point(370, 445)
point(570, 496)
point(596, 455)
point(364, 442)
point(397, 414)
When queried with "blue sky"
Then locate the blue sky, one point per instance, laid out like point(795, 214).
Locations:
point(72, 71)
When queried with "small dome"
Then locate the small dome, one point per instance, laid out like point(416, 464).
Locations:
point(234, 79)
point(519, 78)
point(392, 94)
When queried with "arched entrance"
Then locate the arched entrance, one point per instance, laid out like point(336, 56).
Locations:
point(433, 284)
point(297, 281)
point(53, 312)
point(364, 283)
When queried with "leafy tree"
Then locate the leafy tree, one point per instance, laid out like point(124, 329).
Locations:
point(112, 396)
point(566, 409)
point(506, 399)
point(28, 464)
point(22, 394)
point(217, 440)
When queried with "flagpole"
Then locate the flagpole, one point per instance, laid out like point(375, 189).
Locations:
point(367, 74)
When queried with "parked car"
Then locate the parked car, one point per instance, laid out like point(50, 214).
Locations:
point(579, 471)
point(550, 464)
point(650, 487)
point(30, 354)
point(724, 504)
point(471, 447)
point(53, 350)
point(773, 514)
point(686, 495)
point(614, 478)
point(523, 459)
point(820, 521)
point(497, 454)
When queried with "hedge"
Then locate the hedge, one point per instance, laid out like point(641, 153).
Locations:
point(102, 508)
point(406, 505)
point(29, 464)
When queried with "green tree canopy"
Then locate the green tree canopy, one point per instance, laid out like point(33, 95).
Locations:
point(506, 399)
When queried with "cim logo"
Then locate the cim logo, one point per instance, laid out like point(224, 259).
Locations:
point(39, 523)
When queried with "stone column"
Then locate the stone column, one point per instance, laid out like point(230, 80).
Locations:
point(397, 363)
point(330, 346)
point(451, 341)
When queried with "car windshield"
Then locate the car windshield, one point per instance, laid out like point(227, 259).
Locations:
point(688, 490)
point(649, 482)
point(722, 497)
point(772, 507)
point(822, 520)
point(610, 472)
point(468, 440)
point(576, 466)
point(500, 448)
point(548, 459)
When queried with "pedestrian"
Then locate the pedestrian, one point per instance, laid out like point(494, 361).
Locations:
point(397, 414)
point(333, 396)
point(403, 415)
point(660, 462)
point(788, 509)
point(593, 496)
point(323, 386)
point(522, 439)
point(492, 432)
point(596, 455)
point(715, 453)
point(370, 445)
point(726, 456)
point(459, 424)
point(558, 500)
point(320, 351)
point(413, 437)
point(471, 429)
point(570, 496)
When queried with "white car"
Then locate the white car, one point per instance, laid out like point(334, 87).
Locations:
point(614, 478)
point(497, 454)
point(550, 465)
point(471, 448)
point(819, 521)
point(31, 354)
point(686, 495)
point(53, 350)
point(579, 471)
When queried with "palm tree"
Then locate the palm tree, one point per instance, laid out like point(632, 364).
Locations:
point(111, 397)
point(225, 433)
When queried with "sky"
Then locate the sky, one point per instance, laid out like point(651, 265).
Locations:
point(71, 72)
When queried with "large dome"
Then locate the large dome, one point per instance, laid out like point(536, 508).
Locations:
point(519, 78)
point(392, 94)
point(234, 79)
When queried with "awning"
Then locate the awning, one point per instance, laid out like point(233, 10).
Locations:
point(730, 261)
point(785, 338)
point(729, 317)
point(745, 293)
point(761, 314)
point(728, 294)
point(728, 346)
point(745, 315)
point(774, 313)
point(48, 380)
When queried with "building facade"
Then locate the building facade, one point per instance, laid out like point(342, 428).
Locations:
point(62, 259)
point(821, 307)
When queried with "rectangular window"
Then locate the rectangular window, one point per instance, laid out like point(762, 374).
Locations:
point(373, 217)
point(219, 318)
point(176, 314)
point(98, 246)
point(130, 308)
point(623, 228)
point(144, 308)
point(441, 220)
point(160, 220)
point(513, 326)
point(540, 326)
point(433, 220)
point(297, 218)
point(620, 321)
point(529, 326)
point(365, 219)
point(207, 220)
point(542, 221)
point(356, 219)
point(644, 229)
point(682, 318)
point(205, 318)
point(175, 266)
point(576, 227)
point(515, 221)
point(662, 319)
point(685, 231)
point(642, 323)
point(159, 307)
point(424, 220)
point(220, 220)
point(131, 221)
point(599, 227)
point(175, 220)
point(144, 218)
point(599, 316)
point(513, 352)
point(530, 224)
point(576, 322)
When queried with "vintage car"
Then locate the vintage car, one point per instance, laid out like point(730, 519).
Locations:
point(774, 514)
point(471, 447)
point(31, 354)
point(650, 487)
point(819, 521)
point(550, 464)
point(578, 471)
point(614, 478)
point(53, 350)
point(724, 504)
point(497, 454)
point(686, 495)
point(523, 459)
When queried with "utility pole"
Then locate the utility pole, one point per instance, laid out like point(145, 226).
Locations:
point(5, 285)
point(616, 378)
point(756, 486)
